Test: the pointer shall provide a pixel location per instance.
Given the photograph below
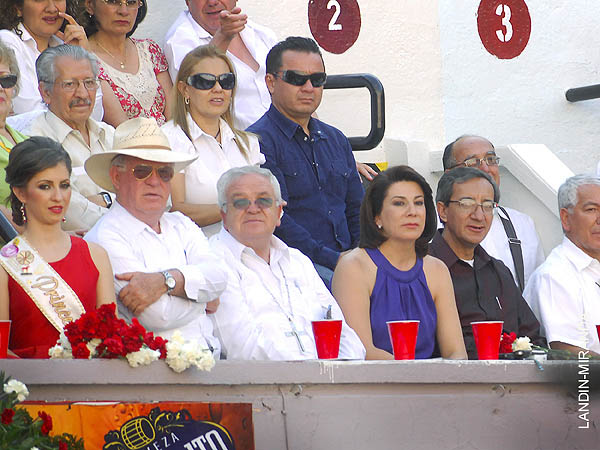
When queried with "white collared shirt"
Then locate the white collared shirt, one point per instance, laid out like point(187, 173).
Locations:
point(214, 160)
point(133, 246)
point(29, 99)
point(82, 214)
point(252, 98)
point(565, 297)
point(253, 318)
point(496, 242)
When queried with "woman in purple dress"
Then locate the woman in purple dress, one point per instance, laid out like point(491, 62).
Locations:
point(390, 277)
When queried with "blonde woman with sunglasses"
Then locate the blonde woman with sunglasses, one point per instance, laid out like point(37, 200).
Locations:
point(202, 126)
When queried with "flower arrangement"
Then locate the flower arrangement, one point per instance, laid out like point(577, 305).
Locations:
point(510, 343)
point(19, 431)
point(100, 334)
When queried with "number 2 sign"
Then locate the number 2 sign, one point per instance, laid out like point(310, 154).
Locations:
point(504, 27)
point(335, 24)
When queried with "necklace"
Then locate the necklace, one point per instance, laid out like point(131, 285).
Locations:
point(121, 63)
point(218, 134)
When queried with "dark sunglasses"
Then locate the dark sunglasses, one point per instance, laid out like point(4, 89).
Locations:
point(296, 78)
point(206, 81)
point(8, 81)
point(143, 172)
point(244, 203)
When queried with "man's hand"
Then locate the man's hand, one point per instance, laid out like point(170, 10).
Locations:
point(142, 290)
point(232, 22)
point(212, 306)
point(366, 171)
point(74, 33)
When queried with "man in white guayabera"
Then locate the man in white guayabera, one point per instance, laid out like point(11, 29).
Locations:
point(273, 291)
point(564, 292)
point(165, 273)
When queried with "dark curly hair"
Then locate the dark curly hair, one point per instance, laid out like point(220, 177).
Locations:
point(89, 24)
point(370, 235)
point(26, 160)
point(10, 17)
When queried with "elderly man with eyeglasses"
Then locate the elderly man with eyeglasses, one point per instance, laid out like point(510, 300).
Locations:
point(512, 237)
point(273, 291)
point(484, 288)
point(68, 82)
point(165, 272)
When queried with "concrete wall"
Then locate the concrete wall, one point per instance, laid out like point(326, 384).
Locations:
point(354, 405)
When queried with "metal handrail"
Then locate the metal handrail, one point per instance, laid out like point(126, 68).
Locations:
point(372, 83)
point(583, 93)
point(7, 231)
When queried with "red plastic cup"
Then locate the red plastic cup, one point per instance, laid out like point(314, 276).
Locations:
point(403, 335)
point(4, 336)
point(598, 331)
point(487, 336)
point(327, 337)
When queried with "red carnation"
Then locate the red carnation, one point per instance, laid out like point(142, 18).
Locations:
point(62, 445)
point(506, 342)
point(7, 416)
point(46, 422)
point(80, 351)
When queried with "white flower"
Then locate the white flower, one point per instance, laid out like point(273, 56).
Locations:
point(142, 357)
point(91, 345)
point(64, 342)
point(18, 387)
point(205, 361)
point(182, 354)
point(522, 343)
point(57, 352)
point(34, 448)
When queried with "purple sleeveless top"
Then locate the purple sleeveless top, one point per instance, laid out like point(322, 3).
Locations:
point(401, 295)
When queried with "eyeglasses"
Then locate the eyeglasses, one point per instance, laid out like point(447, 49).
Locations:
point(131, 4)
point(143, 172)
point(8, 81)
point(91, 84)
point(490, 160)
point(260, 202)
point(470, 205)
point(206, 81)
point(296, 78)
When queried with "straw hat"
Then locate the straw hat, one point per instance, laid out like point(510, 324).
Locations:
point(140, 137)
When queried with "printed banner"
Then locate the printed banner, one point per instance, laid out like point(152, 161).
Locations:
point(153, 426)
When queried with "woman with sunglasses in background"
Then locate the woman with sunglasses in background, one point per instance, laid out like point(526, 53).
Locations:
point(202, 126)
point(48, 277)
point(9, 75)
point(28, 27)
point(133, 72)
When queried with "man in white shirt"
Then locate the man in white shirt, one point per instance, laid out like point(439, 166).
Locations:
point(165, 272)
point(564, 292)
point(273, 291)
point(68, 81)
point(246, 43)
point(519, 249)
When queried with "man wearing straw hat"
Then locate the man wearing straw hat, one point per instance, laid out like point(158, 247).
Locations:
point(165, 273)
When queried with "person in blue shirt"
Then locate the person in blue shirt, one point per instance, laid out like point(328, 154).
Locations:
point(312, 161)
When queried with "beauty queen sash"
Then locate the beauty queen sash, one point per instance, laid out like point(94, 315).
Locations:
point(51, 294)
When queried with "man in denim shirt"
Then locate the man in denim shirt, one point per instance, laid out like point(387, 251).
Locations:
point(312, 161)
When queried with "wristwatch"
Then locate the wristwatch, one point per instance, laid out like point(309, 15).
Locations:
point(169, 281)
point(107, 199)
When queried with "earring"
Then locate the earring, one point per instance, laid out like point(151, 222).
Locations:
point(23, 213)
point(380, 226)
point(187, 101)
point(64, 219)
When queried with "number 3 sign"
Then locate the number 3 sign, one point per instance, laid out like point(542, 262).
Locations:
point(504, 27)
point(335, 24)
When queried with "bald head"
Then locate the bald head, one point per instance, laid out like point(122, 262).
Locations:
point(471, 149)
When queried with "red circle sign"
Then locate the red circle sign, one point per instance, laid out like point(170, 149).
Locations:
point(335, 24)
point(504, 27)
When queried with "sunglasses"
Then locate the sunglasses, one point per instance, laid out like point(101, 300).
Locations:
point(142, 172)
point(8, 81)
point(244, 203)
point(206, 81)
point(296, 78)
point(131, 4)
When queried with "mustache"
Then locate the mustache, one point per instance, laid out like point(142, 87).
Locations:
point(80, 102)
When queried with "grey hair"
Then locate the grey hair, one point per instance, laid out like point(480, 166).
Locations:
point(45, 66)
point(461, 175)
point(448, 159)
point(233, 174)
point(567, 193)
point(7, 56)
point(119, 161)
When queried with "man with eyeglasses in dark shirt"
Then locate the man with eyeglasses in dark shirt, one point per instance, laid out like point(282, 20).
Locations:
point(512, 237)
point(312, 161)
point(484, 288)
